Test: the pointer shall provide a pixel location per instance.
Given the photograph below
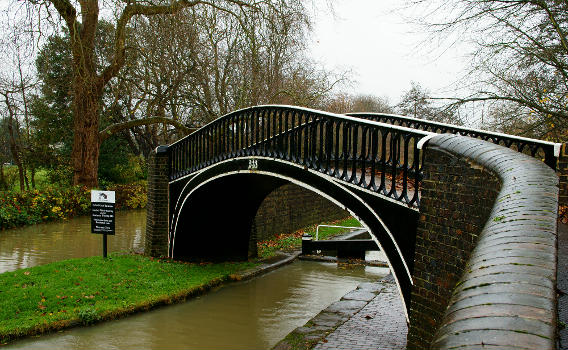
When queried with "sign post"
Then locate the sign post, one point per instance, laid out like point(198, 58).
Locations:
point(102, 215)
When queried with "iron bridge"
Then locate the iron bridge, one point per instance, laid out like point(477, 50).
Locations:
point(369, 164)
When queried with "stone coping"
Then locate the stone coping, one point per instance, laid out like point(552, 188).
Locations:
point(280, 259)
point(333, 259)
point(506, 298)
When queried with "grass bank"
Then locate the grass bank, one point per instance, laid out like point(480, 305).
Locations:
point(84, 291)
point(293, 241)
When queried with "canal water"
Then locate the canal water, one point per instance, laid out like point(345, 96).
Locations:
point(253, 314)
point(44, 243)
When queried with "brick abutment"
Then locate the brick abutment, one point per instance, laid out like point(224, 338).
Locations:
point(292, 207)
point(156, 243)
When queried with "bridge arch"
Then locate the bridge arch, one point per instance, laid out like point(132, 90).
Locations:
point(225, 197)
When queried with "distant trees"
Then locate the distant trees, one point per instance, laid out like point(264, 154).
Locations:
point(418, 102)
point(520, 62)
point(344, 103)
point(14, 132)
point(4, 154)
point(222, 62)
point(16, 81)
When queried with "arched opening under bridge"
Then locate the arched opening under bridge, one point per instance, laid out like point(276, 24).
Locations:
point(212, 212)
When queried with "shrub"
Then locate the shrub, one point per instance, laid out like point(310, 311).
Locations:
point(128, 170)
point(32, 207)
point(61, 175)
point(130, 196)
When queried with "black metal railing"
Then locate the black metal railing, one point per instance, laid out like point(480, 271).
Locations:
point(548, 152)
point(375, 156)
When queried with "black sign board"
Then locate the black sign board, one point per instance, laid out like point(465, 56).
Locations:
point(102, 212)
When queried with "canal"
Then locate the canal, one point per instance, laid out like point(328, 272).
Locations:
point(44, 243)
point(252, 314)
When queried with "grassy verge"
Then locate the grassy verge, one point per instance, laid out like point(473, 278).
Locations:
point(84, 291)
point(293, 241)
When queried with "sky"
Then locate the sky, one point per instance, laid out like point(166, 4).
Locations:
point(385, 52)
point(376, 41)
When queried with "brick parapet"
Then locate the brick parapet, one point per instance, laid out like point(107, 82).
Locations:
point(156, 242)
point(452, 214)
point(485, 267)
point(562, 170)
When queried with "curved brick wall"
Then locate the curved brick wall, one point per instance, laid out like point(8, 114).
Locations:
point(291, 207)
point(505, 296)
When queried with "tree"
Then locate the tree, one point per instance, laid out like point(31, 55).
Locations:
point(344, 103)
point(4, 154)
point(220, 64)
point(15, 82)
point(51, 106)
point(51, 109)
point(369, 103)
point(7, 92)
point(89, 81)
point(418, 103)
point(520, 57)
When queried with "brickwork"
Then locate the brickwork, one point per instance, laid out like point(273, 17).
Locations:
point(156, 243)
point(456, 200)
point(291, 207)
point(562, 170)
point(506, 292)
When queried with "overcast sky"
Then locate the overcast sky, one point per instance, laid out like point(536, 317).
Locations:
point(384, 50)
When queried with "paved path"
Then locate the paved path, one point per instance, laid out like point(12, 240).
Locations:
point(381, 324)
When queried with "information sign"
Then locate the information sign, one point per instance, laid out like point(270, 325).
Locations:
point(102, 212)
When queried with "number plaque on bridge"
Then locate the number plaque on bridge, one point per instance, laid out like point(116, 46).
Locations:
point(102, 212)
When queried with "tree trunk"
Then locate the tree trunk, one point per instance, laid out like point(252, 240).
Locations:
point(33, 171)
point(85, 154)
point(14, 147)
point(26, 178)
point(3, 185)
point(15, 153)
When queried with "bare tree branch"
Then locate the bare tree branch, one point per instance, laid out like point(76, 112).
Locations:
point(118, 127)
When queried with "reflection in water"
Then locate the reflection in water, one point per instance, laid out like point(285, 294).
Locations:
point(253, 314)
point(44, 243)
